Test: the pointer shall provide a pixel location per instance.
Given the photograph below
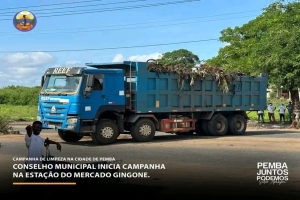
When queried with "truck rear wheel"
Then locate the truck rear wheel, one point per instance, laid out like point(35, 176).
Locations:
point(237, 125)
point(200, 126)
point(68, 136)
point(106, 132)
point(218, 125)
point(229, 119)
point(143, 130)
point(204, 127)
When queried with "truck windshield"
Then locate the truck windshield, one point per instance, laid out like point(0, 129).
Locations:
point(61, 84)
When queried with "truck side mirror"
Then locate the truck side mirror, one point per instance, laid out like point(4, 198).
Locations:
point(89, 83)
point(90, 80)
point(42, 81)
point(88, 89)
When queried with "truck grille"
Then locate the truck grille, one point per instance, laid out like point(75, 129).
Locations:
point(55, 112)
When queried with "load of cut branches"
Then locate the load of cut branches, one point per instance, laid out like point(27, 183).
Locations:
point(223, 78)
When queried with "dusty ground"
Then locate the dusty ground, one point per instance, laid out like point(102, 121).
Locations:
point(207, 165)
point(246, 141)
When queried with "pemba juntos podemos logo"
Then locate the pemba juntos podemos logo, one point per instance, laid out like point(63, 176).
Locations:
point(272, 172)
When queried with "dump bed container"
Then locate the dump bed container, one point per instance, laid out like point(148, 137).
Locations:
point(162, 93)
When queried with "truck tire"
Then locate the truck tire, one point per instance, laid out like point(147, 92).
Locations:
point(218, 125)
point(68, 136)
point(204, 127)
point(229, 119)
point(106, 132)
point(199, 129)
point(143, 130)
point(237, 125)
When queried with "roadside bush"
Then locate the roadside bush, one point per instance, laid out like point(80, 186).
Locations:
point(272, 95)
point(5, 127)
point(19, 95)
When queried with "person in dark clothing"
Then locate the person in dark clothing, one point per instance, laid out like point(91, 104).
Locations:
point(289, 107)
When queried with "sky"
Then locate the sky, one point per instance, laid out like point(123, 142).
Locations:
point(117, 30)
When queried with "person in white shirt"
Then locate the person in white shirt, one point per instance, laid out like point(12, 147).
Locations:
point(281, 111)
point(271, 110)
point(260, 115)
point(35, 143)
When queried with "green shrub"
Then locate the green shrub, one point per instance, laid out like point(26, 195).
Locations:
point(19, 95)
point(19, 113)
point(272, 95)
point(5, 127)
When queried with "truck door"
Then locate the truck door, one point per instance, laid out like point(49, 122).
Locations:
point(89, 105)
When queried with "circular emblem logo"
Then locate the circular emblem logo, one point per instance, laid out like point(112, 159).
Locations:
point(24, 21)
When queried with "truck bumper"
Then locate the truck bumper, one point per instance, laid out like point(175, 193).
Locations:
point(59, 124)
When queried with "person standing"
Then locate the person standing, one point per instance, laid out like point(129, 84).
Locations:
point(289, 107)
point(260, 115)
point(281, 113)
point(35, 145)
point(271, 110)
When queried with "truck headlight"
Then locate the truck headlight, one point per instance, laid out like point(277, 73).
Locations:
point(72, 120)
point(38, 118)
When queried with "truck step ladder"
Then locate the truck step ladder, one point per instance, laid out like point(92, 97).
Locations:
point(131, 78)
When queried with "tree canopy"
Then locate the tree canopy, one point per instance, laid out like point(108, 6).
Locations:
point(268, 44)
point(178, 57)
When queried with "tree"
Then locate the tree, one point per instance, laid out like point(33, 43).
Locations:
point(179, 57)
point(268, 44)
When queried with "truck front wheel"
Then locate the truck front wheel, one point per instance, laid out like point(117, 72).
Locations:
point(69, 136)
point(106, 132)
point(143, 130)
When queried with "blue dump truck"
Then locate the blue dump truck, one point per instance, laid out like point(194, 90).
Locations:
point(104, 100)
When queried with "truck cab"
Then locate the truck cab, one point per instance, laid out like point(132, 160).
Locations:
point(72, 99)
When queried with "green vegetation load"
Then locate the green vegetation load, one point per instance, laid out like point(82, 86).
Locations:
point(199, 73)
